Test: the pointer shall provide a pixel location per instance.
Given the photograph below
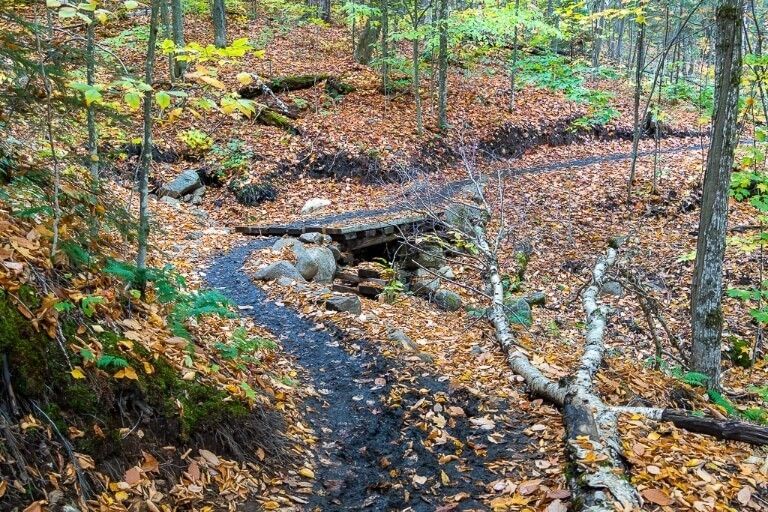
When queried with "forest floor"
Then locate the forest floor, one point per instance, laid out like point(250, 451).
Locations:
point(447, 426)
point(441, 424)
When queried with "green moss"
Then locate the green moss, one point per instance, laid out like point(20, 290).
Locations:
point(203, 407)
point(30, 353)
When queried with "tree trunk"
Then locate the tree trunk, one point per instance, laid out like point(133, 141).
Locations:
point(417, 87)
point(367, 42)
point(442, 68)
point(90, 72)
point(177, 30)
point(325, 10)
point(385, 46)
point(515, 53)
point(145, 159)
point(707, 288)
point(636, 107)
point(219, 13)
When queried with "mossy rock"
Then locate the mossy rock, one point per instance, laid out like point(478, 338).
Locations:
point(254, 193)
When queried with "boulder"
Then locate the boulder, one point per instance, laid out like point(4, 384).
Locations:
point(170, 201)
point(326, 263)
point(536, 299)
point(285, 242)
point(446, 272)
point(196, 197)
point(346, 303)
point(315, 238)
point(464, 217)
point(398, 336)
point(425, 286)
point(447, 300)
point(277, 270)
point(314, 204)
point(336, 252)
point(185, 183)
point(315, 263)
point(612, 288)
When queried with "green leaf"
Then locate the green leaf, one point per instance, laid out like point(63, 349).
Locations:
point(67, 12)
point(92, 95)
point(52, 4)
point(163, 99)
point(131, 4)
point(133, 100)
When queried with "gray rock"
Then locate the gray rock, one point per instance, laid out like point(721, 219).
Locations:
point(315, 238)
point(195, 235)
point(285, 242)
point(430, 256)
point(315, 263)
point(612, 288)
point(464, 217)
point(170, 201)
point(536, 299)
point(314, 204)
point(277, 270)
point(397, 335)
point(182, 185)
point(425, 286)
point(446, 272)
point(518, 312)
point(336, 252)
point(285, 281)
point(200, 213)
point(447, 300)
point(347, 303)
point(197, 196)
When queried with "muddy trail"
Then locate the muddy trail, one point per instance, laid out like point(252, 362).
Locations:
point(448, 189)
point(371, 453)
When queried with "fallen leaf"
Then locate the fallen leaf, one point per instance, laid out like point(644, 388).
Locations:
point(657, 496)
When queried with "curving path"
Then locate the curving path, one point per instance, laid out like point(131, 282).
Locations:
point(362, 434)
point(361, 437)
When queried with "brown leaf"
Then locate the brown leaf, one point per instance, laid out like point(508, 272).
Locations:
point(529, 487)
point(132, 476)
point(657, 496)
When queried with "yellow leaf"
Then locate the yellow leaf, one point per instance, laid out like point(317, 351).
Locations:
point(148, 368)
point(218, 84)
point(244, 78)
point(121, 495)
point(307, 473)
point(77, 373)
point(444, 478)
point(271, 505)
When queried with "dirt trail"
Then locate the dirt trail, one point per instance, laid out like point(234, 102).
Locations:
point(363, 434)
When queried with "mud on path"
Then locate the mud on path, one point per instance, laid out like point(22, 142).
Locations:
point(369, 414)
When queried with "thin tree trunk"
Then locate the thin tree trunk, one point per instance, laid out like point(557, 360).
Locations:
point(636, 107)
point(90, 71)
point(442, 71)
point(707, 288)
point(367, 42)
point(219, 13)
point(417, 87)
point(177, 30)
point(385, 46)
point(51, 140)
point(145, 160)
point(515, 53)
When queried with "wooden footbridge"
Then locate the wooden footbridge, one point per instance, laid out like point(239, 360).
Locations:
point(351, 235)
